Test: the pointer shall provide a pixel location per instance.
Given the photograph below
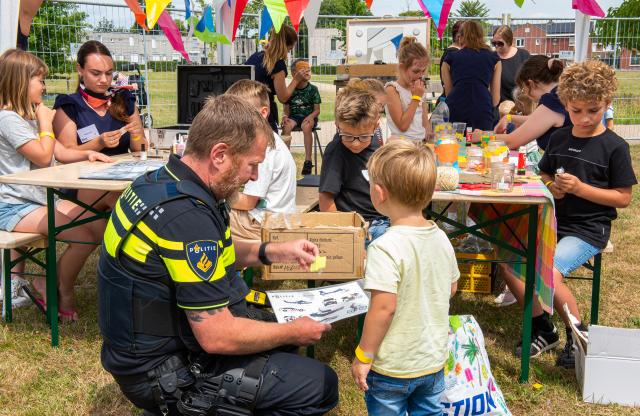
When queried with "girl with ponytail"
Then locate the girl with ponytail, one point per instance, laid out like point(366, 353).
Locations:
point(406, 107)
point(271, 69)
point(538, 79)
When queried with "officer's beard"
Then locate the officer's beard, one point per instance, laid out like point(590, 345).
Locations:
point(228, 186)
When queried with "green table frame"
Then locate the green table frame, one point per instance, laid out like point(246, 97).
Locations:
point(526, 251)
point(51, 263)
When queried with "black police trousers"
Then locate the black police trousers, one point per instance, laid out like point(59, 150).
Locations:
point(292, 385)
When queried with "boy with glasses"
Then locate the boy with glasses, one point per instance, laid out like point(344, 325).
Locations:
point(344, 182)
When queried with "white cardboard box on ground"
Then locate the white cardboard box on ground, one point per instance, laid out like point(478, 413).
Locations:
point(610, 369)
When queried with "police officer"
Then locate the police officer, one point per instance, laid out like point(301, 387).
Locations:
point(170, 300)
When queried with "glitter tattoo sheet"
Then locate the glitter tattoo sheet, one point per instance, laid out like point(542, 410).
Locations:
point(125, 170)
point(325, 304)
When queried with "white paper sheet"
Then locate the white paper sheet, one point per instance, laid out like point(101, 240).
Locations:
point(324, 304)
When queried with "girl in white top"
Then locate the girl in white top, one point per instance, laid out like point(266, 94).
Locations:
point(27, 142)
point(407, 112)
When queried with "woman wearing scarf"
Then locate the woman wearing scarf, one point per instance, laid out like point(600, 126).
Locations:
point(98, 116)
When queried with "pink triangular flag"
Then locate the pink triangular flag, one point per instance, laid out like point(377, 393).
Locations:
point(444, 17)
point(588, 7)
point(172, 33)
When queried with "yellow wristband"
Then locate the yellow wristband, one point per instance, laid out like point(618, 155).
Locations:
point(136, 138)
point(47, 134)
point(416, 98)
point(362, 356)
point(547, 183)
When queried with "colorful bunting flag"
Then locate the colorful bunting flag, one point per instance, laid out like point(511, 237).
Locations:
point(588, 7)
point(519, 3)
point(277, 11)
point(140, 16)
point(295, 9)
point(369, 2)
point(311, 15)
point(205, 29)
point(265, 23)
point(396, 41)
point(206, 22)
point(187, 8)
point(154, 10)
point(172, 33)
point(444, 17)
point(237, 15)
point(438, 11)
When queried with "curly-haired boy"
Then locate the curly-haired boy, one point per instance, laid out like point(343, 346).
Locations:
point(587, 168)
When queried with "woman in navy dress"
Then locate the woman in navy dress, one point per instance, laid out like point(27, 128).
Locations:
point(471, 79)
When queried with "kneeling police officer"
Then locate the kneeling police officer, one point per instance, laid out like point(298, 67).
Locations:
point(176, 328)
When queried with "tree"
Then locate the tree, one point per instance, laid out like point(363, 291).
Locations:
point(54, 44)
point(472, 8)
point(104, 26)
point(606, 29)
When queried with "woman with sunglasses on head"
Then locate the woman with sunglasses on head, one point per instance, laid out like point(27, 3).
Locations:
point(472, 79)
point(512, 59)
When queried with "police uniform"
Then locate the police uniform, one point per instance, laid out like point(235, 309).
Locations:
point(167, 248)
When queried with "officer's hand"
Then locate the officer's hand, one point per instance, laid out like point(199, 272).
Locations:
point(306, 331)
point(302, 251)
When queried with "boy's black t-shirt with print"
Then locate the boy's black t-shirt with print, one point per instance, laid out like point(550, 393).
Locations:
point(602, 161)
point(342, 175)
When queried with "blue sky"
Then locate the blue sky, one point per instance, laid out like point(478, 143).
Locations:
point(530, 9)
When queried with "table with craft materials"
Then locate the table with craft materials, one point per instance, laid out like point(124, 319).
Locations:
point(521, 225)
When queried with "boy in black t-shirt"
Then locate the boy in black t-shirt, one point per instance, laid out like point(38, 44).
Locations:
point(344, 182)
point(587, 168)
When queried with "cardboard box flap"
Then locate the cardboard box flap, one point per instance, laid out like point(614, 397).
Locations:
point(278, 221)
point(606, 341)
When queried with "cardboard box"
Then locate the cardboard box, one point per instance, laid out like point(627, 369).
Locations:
point(339, 236)
point(609, 369)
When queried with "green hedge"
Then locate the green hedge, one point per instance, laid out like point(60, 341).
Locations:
point(324, 69)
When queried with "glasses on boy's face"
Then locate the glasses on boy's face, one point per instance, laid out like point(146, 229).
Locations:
point(351, 138)
point(497, 44)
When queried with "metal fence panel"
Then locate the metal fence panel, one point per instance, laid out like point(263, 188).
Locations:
point(61, 26)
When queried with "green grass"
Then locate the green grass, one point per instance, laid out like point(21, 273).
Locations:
point(36, 379)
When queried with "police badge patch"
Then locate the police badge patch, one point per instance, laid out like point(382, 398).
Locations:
point(202, 256)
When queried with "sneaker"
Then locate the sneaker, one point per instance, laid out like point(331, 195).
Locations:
point(306, 167)
point(541, 341)
point(19, 297)
point(567, 358)
point(505, 298)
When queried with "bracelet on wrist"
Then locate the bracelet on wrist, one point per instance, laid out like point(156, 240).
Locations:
point(416, 98)
point(363, 357)
point(262, 254)
point(47, 134)
point(548, 183)
point(136, 138)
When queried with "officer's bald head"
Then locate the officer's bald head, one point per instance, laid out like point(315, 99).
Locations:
point(226, 119)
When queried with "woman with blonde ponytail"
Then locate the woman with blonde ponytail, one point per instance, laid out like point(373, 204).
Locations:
point(271, 69)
